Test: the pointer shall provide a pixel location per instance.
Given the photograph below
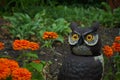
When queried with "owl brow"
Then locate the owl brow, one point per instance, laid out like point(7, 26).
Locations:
point(88, 32)
point(76, 32)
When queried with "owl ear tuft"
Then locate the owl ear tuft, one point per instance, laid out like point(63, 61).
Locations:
point(95, 26)
point(73, 26)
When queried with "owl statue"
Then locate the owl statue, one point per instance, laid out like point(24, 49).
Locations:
point(85, 62)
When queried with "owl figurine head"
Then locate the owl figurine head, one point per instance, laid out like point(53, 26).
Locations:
point(85, 41)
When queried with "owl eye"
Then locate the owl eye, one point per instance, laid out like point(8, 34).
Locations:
point(89, 37)
point(75, 37)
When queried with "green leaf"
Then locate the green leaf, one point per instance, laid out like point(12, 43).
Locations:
point(32, 55)
point(60, 38)
point(36, 70)
point(37, 16)
point(36, 66)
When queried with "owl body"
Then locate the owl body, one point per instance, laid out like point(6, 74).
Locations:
point(81, 68)
point(85, 62)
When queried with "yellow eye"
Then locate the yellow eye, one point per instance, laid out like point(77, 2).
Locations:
point(89, 37)
point(75, 37)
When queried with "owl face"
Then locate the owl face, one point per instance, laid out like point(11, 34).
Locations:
point(84, 41)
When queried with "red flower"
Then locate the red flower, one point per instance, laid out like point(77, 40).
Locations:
point(21, 74)
point(108, 51)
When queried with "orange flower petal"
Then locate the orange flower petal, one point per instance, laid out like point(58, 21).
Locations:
point(24, 44)
point(117, 39)
point(21, 74)
point(116, 47)
point(33, 46)
point(13, 65)
point(4, 69)
point(50, 35)
point(108, 51)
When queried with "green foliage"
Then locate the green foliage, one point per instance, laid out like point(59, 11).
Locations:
point(84, 14)
point(117, 66)
point(26, 56)
point(113, 70)
point(116, 16)
point(60, 26)
point(22, 25)
point(109, 18)
point(38, 69)
point(106, 18)
point(48, 43)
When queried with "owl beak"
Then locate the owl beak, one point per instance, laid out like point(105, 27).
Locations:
point(81, 50)
point(80, 41)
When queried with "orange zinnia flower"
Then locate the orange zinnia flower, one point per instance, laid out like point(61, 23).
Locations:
point(20, 44)
point(4, 69)
point(1, 45)
point(108, 51)
point(50, 35)
point(4, 61)
point(117, 39)
point(116, 47)
point(25, 44)
point(17, 45)
point(13, 65)
point(33, 46)
point(21, 74)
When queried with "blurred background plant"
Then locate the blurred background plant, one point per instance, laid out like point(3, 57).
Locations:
point(22, 26)
point(81, 11)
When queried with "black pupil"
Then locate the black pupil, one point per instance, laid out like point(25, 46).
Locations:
point(75, 37)
point(89, 37)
